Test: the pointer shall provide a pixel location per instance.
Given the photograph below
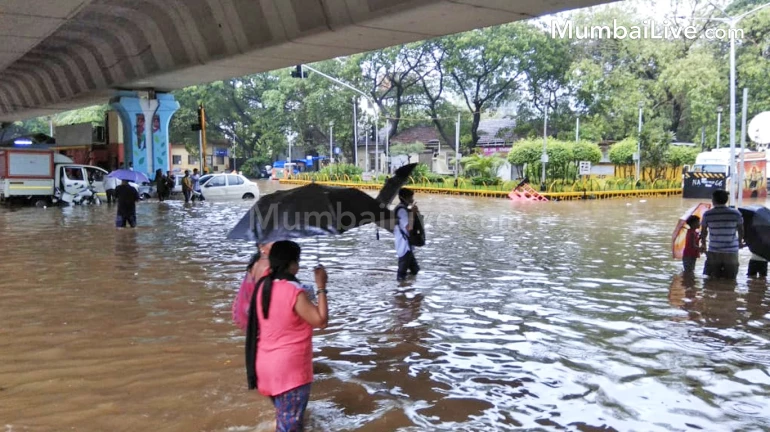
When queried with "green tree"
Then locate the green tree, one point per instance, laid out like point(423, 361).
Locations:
point(484, 68)
point(677, 156)
point(92, 114)
point(655, 144)
point(622, 152)
point(392, 77)
point(586, 151)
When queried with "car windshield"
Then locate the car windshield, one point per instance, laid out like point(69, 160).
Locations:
point(710, 168)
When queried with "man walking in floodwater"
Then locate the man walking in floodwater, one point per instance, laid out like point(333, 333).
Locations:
point(187, 186)
point(196, 184)
point(126, 196)
point(405, 214)
point(723, 226)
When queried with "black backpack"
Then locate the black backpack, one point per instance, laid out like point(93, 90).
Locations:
point(417, 235)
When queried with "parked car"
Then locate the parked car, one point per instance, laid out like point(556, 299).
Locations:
point(146, 191)
point(204, 178)
point(229, 186)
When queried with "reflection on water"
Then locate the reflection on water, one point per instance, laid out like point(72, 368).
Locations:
point(543, 317)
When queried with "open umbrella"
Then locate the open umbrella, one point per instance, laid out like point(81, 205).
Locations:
point(307, 211)
point(756, 228)
point(393, 184)
point(680, 232)
point(129, 175)
point(314, 210)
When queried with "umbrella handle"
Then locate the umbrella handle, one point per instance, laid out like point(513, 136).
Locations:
point(317, 253)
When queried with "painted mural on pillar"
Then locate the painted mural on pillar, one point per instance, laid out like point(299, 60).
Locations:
point(141, 145)
point(146, 146)
point(159, 146)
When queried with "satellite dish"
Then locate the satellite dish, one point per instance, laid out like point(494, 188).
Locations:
point(759, 128)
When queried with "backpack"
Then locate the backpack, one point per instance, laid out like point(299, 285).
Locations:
point(417, 236)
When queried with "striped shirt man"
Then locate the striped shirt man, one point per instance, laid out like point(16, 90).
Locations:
point(722, 223)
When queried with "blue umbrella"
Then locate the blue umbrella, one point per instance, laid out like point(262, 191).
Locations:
point(129, 175)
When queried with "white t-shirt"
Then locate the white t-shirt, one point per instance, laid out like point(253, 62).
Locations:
point(402, 242)
point(110, 183)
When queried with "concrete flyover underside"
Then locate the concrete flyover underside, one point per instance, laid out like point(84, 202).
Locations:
point(57, 55)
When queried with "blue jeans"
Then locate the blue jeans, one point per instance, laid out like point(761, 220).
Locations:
point(120, 220)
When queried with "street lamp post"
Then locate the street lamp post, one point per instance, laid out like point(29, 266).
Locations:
point(719, 124)
point(331, 142)
point(544, 156)
point(366, 96)
point(577, 129)
point(733, 22)
point(639, 144)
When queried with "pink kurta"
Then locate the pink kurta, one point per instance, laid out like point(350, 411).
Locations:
point(285, 348)
point(243, 299)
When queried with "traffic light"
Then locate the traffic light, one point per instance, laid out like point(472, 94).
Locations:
point(195, 127)
point(298, 72)
point(373, 133)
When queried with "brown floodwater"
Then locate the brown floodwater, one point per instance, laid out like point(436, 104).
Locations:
point(557, 316)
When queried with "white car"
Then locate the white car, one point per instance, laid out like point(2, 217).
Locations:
point(229, 186)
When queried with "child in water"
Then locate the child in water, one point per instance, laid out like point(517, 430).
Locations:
point(691, 249)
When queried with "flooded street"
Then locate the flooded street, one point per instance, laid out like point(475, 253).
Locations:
point(553, 316)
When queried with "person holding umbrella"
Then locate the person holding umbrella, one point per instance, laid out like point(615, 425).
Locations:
point(723, 227)
point(126, 196)
point(279, 346)
point(406, 215)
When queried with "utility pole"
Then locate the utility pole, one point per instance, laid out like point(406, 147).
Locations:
point(544, 156)
point(639, 145)
point(202, 120)
point(377, 164)
point(719, 124)
point(742, 168)
point(387, 149)
point(702, 138)
point(366, 149)
point(355, 130)
point(331, 141)
point(299, 73)
point(457, 148)
point(577, 129)
point(235, 170)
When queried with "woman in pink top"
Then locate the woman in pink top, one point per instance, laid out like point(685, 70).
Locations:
point(279, 347)
point(257, 267)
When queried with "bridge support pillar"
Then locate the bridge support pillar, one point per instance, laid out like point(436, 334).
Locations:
point(145, 129)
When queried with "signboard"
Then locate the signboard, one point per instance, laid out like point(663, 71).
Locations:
point(702, 185)
point(585, 167)
point(489, 151)
point(336, 150)
point(755, 178)
point(220, 152)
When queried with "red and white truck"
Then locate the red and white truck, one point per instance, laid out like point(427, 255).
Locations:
point(43, 177)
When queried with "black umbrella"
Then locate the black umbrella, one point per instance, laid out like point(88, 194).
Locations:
point(314, 209)
point(393, 184)
point(756, 227)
